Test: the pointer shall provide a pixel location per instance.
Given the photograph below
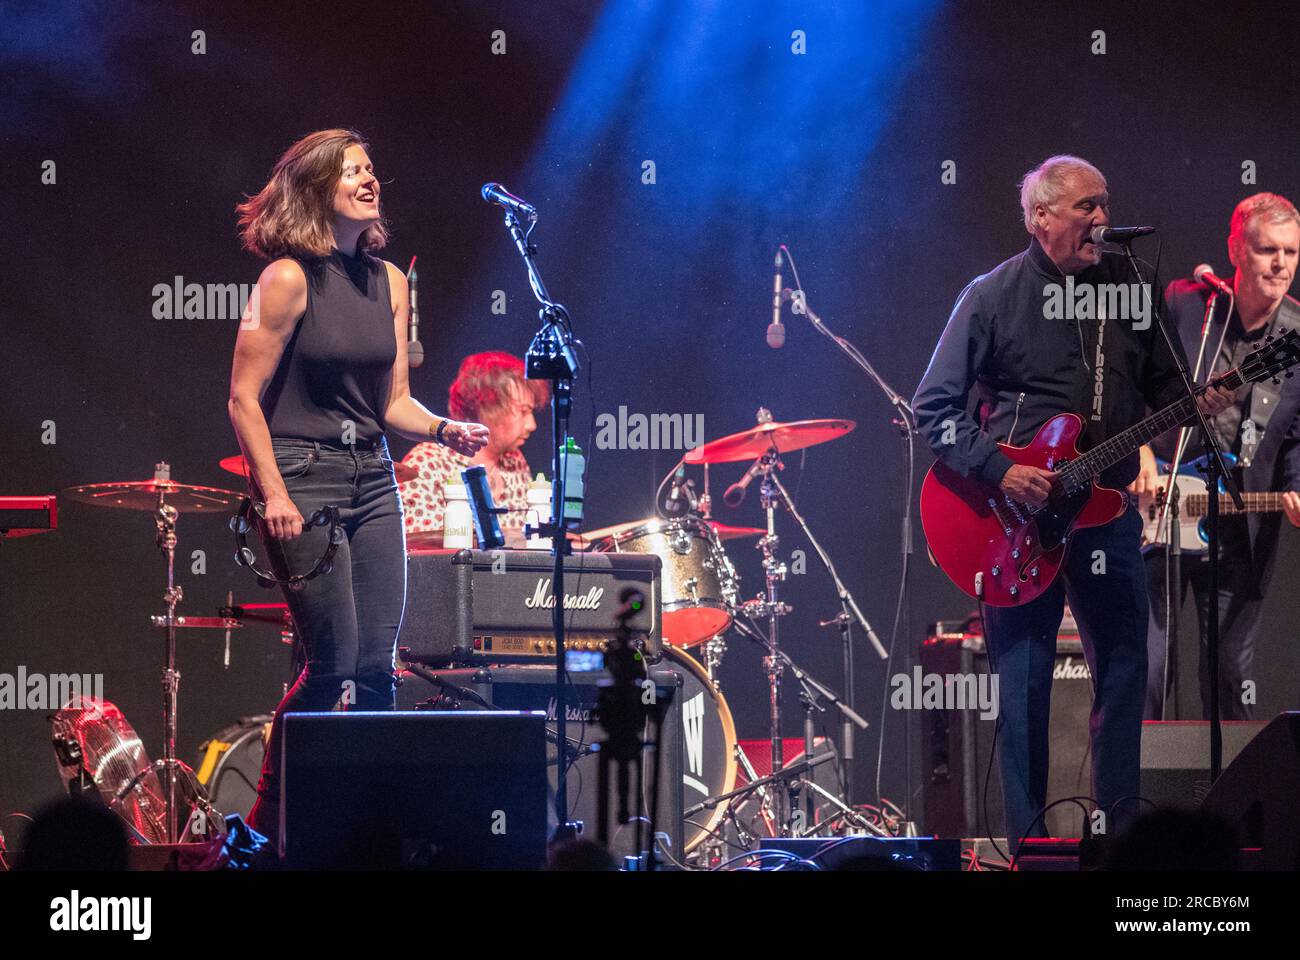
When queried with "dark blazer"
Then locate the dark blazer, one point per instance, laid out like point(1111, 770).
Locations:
point(1274, 408)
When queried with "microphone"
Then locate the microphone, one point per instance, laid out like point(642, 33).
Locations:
point(735, 494)
point(673, 506)
point(484, 510)
point(1118, 234)
point(414, 348)
point(776, 330)
point(495, 193)
point(1205, 274)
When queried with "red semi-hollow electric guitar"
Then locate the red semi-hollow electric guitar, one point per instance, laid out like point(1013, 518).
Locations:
point(984, 540)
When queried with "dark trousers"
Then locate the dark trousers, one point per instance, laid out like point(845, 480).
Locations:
point(1240, 607)
point(348, 619)
point(1104, 580)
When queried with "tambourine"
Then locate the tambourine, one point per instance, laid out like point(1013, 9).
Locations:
point(240, 523)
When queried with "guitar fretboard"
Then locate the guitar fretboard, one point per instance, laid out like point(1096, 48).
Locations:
point(1198, 504)
point(1114, 449)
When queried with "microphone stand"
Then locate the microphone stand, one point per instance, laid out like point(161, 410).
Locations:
point(1215, 472)
point(1169, 521)
point(551, 357)
point(906, 422)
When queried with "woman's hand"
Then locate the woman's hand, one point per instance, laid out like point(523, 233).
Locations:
point(465, 438)
point(282, 518)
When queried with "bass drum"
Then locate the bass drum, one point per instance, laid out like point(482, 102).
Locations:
point(708, 744)
point(230, 764)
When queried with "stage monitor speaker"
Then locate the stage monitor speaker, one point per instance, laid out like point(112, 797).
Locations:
point(1176, 758)
point(414, 791)
point(955, 745)
point(1259, 793)
point(532, 687)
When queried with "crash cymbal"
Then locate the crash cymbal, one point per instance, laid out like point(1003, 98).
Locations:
point(236, 465)
point(143, 495)
point(753, 443)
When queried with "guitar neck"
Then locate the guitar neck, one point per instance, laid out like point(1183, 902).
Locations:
point(1114, 449)
point(1198, 504)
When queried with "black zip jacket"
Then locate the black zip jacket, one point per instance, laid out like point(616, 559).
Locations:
point(1024, 368)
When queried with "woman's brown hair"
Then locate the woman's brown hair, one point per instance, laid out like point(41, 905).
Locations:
point(290, 216)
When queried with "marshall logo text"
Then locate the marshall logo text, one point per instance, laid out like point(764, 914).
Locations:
point(544, 599)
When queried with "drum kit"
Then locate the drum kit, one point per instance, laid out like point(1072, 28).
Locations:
point(701, 606)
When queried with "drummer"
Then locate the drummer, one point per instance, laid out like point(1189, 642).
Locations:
point(489, 388)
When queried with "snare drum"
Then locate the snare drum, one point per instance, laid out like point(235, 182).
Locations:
point(699, 584)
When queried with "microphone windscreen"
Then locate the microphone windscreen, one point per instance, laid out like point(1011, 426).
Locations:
point(776, 335)
point(414, 353)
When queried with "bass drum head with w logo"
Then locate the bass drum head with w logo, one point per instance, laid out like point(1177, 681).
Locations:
point(708, 744)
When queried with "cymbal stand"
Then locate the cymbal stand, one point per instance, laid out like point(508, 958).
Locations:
point(771, 607)
point(169, 767)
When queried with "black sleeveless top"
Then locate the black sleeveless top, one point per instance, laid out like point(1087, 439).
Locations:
point(338, 365)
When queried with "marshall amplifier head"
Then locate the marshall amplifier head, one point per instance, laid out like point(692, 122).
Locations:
point(495, 606)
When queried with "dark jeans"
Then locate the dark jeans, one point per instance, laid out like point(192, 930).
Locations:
point(1111, 610)
point(348, 619)
point(1239, 613)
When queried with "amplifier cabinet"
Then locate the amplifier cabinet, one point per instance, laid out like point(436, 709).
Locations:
point(495, 606)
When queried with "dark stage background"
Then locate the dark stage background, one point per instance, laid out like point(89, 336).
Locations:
point(837, 151)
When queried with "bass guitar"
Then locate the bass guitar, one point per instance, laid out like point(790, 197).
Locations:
point(1193, 504)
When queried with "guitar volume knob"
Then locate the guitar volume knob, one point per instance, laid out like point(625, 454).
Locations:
point(995, 571)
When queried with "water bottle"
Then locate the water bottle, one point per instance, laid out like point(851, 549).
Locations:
point(574, 465)
point(539, 511)
point(458, 521)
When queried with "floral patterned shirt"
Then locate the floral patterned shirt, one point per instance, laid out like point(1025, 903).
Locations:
point(423, 500)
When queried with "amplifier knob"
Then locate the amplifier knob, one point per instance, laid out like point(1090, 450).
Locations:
point(537, 646)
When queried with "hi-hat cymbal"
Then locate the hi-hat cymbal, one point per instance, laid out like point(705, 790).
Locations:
point(237, 465)
point(143, 495)
point(753, 443)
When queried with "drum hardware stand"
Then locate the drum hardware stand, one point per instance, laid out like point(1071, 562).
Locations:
point(714, 650)
point(788, 776)
point(849, 611)
point(813, 690)
point(170, 768)
point(773, 609)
